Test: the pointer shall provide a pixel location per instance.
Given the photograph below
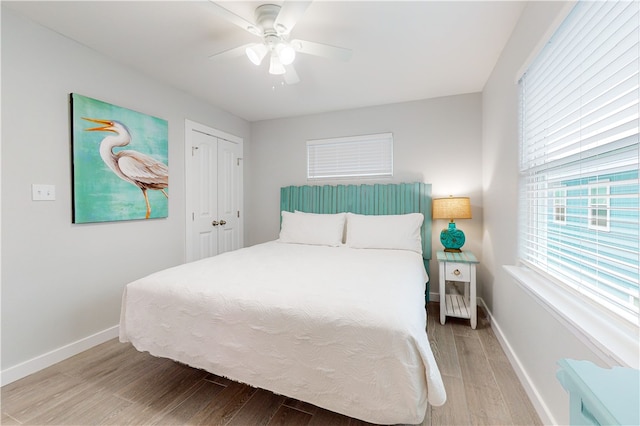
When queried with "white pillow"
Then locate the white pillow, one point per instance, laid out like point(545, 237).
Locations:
point(311, 228)
point(399, 232)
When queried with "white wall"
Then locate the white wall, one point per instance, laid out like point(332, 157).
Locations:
point(63, 282)
point(435, 141)
point(537, 339)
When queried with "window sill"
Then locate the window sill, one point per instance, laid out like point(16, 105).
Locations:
point(614, 340)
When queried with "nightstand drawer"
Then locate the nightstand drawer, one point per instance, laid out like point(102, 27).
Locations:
point(457, 272)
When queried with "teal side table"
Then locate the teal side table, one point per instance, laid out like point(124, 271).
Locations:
point(458, 267)
point(600, 396)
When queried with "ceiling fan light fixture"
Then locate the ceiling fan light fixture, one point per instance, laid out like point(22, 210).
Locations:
point(276, 67)
point(273, 24)
point(286, 53)
point(256, 53)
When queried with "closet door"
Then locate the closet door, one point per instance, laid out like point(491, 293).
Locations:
point(214, 185)
point(229, 192)
point(204, 187)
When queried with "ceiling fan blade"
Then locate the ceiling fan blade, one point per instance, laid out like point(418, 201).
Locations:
point(320, 49)
point(235, 19)
point(290, 13)
point(232, 53)
point(291, 76)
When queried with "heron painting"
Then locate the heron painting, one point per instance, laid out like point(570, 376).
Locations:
point(120, 162)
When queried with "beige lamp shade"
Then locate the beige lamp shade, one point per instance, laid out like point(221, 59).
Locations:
point(452, 208)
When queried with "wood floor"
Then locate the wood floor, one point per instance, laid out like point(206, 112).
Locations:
point(114, 384)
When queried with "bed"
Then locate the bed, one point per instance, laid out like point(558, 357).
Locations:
point(322, 314)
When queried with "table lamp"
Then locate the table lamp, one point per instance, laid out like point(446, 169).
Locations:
point(452, 208)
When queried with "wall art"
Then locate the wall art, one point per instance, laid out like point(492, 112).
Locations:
point(120, 163)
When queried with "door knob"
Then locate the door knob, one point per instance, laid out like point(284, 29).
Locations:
point(223, 222)
point(215, 223)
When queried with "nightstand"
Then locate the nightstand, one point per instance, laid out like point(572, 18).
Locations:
point(457, 269)
point(600, 396)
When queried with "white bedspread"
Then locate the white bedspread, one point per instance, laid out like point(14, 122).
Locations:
point(340, 328)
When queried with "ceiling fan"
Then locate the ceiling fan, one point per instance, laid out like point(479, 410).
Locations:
point(273, 24)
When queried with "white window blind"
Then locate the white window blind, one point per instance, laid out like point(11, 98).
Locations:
point(368, 155)
point(579, 140)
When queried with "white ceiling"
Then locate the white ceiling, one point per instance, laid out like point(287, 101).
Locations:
point(402, 51)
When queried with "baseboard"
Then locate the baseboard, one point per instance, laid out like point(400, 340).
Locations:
point(43, 361)
point(538, 402)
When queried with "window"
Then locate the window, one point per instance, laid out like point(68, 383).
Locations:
point(560, 206)
point(579, 125)
point(356, 156)
point(599, 207)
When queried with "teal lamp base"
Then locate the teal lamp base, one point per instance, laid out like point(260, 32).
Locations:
point(452, 238)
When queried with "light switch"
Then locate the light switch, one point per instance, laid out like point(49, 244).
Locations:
point(43, 192)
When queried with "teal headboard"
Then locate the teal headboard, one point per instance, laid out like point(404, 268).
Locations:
point(374, 199)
